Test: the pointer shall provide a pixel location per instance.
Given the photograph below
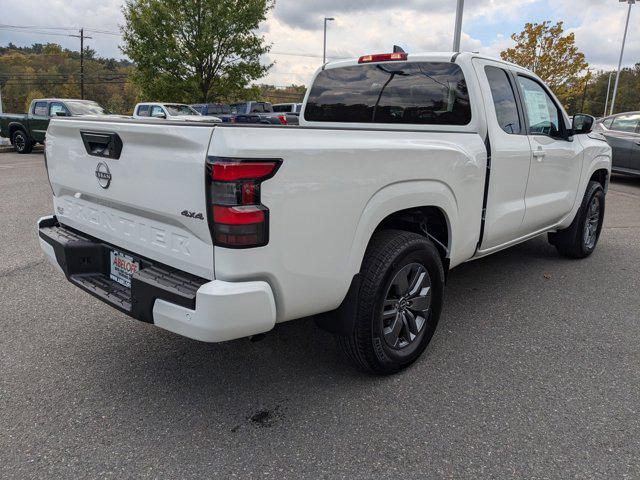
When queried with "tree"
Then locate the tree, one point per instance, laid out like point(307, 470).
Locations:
point(554, 57)
point(194, 50)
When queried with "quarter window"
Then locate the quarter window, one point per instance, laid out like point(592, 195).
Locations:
point(422, 93)
point(40, 109)
point(626, 123)
point(542, 113)
point(504, 99)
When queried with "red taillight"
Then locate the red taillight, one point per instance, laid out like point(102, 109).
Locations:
point(230, 171)
point(238, 215)
point(283, 119)
point(383, 57)
point(237, 218)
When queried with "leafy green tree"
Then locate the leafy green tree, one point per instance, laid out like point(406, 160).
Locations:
point(553, 56)
point(195, 50)
point(51, 71)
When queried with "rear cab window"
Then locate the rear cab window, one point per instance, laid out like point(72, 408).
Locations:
point(143, 110)
point(40, 109)
point(409, 93)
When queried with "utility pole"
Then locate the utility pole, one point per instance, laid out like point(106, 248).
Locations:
point(624, 39)
point(458, 28)
point(324, 48)
point(81, 37)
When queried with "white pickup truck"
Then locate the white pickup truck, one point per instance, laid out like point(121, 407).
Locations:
point(403, 167)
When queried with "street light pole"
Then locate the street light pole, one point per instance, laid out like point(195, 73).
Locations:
point(606, 101)
point(458, 28)
point(624, 39)
point(324, 48)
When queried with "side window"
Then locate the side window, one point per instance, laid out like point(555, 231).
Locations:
point(143, 110)
point(504, 99)
point(40, 109)
point(198, 108)
point(156, 111)
point(257, 108)
point(542, 113)
point(56, 107)
point(625, 123)
point(607, 122)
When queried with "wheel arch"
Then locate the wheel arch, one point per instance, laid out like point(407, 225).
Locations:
point(427, 207)
point(408, 206)
point(14, 126)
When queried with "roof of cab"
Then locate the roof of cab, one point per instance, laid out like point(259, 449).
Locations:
point(427, 56)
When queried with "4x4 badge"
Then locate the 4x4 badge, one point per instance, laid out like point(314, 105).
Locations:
point(103, 175)
point(188, 214)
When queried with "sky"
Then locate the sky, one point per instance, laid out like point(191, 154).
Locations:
point(294, 28)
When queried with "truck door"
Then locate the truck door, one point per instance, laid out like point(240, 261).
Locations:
point(622, 138)
point(39, 120)
point(510, 155)
point(557, 160)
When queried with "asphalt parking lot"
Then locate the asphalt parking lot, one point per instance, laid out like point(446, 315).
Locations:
point(534, 372)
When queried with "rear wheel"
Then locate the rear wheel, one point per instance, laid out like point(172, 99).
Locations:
point(21, 142)
point(579, 240)
point(399, 302)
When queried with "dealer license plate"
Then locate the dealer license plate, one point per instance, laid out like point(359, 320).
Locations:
point(122, 268)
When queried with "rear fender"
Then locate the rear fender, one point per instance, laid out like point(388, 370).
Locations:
point(394, 198)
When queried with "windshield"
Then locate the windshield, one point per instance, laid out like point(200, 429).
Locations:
point(86, 108)
point(180, 110)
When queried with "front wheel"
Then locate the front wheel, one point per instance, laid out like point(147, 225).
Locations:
point(579, 240)
point(21, 142)
point(399, 302)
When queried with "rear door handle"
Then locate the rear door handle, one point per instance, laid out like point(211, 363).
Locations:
point(539, 154)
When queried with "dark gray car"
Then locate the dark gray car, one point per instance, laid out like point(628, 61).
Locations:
point(622, 131)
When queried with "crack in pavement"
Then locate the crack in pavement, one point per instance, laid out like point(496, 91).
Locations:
point(21, 268)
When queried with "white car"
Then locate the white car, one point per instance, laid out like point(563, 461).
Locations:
point(171, 111)
point(403, 167)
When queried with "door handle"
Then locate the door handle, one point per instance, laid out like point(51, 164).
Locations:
point(638, 143)
point(539, 154)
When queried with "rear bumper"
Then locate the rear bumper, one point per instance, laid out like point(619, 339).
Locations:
point(209, 311)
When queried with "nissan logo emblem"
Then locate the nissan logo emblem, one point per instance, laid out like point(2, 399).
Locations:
point(103, 175)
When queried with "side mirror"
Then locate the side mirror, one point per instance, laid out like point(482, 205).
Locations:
point(582, 123)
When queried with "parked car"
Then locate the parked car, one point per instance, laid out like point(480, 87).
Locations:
point(404, 167)
point(220, 110)
point(257, 112)
point(290, 108)
point(622, 132)
point(27, 130)
point(170, 111)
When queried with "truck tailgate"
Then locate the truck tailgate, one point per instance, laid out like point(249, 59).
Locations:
point(150, 201)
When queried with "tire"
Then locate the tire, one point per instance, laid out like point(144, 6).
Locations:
point(386, 311)
point(21, 141)
point(580, 239)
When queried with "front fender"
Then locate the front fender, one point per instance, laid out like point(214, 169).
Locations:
point(601, 161)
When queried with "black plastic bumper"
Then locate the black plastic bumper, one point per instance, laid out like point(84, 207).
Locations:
point(85, 262)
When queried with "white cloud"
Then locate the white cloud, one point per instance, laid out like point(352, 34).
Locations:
point(361, 26)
